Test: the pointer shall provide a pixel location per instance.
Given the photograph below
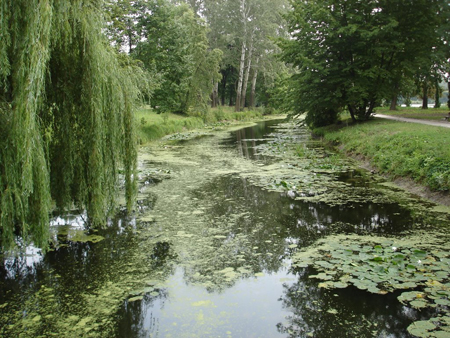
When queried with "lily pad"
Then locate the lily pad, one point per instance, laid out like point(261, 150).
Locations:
point(421, 328)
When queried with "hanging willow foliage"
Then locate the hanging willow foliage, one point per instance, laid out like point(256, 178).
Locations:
point(66, 121)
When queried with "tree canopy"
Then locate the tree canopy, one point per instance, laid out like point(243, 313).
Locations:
point(176, 50)
point(66, 124)
point(352, 54)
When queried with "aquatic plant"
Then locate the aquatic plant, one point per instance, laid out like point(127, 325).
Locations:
point(387, 266)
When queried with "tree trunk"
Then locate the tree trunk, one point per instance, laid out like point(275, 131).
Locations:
point(394, 98)
point(352, 112)
point(255, 76)
point(247, 75)
point(394, 103)
point(425, 96)
point(215, 95)
point(448, 94)
point(224, 86)
point(437, 96)
point(216, 90)
point(371, 108)
point(241, 77)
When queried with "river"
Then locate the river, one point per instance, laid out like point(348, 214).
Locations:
point(216, 246)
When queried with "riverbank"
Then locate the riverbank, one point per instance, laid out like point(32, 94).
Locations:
point(152, 126)
point(415, 157)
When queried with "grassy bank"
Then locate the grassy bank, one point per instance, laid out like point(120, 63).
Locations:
point(436, 114)
point(153, 126)
point(398, 149)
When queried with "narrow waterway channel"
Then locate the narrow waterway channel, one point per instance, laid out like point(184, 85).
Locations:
point(211, 250)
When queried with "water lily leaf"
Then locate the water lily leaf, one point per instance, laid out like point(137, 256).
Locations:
point(362, 285)
point(444, 302)
point(419, 253)
point(378, 248)
point(411, 267)
point(301, 264)
point(421, 328)
point(134, 299)
point(322, 276)
point(442, 275)
point(325, 265)
point(434, 283)
point(340, 285)
point(441, 334)
point(364, 256)
point(374, 289)
point(418, 304)
point(326, 285)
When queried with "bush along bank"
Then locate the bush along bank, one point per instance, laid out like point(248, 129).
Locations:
point(395, 149)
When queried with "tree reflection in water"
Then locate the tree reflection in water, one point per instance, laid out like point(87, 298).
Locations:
point(349, 312)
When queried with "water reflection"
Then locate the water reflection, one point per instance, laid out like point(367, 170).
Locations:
point(343, 313)
point(249, 309)
point(137, 318)
point(248, 139)
point(305, 221)
point(258, 232)
point(56, 283)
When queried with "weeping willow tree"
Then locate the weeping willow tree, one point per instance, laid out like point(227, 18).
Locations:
point(66, 123)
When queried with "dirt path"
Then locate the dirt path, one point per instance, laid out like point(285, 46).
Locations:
point(444, 124)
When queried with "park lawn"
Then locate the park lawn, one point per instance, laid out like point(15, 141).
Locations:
point(416, 113)
point(398, 149)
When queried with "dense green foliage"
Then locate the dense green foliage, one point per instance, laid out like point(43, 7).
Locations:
point(202, 51)
point(176, 50)
point(400, 150)
point(353, 54)
point(66, 103)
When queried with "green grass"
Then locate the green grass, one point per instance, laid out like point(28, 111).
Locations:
point(152, 126)
point(397, 149)
point(416, 113)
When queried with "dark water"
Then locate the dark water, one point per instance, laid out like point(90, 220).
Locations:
point(271, 300)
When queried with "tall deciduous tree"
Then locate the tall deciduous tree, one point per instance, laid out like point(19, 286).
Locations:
point(66, 126)
point(243, 31)
point(176, 50)
point(350, 54)
point(122, 28)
